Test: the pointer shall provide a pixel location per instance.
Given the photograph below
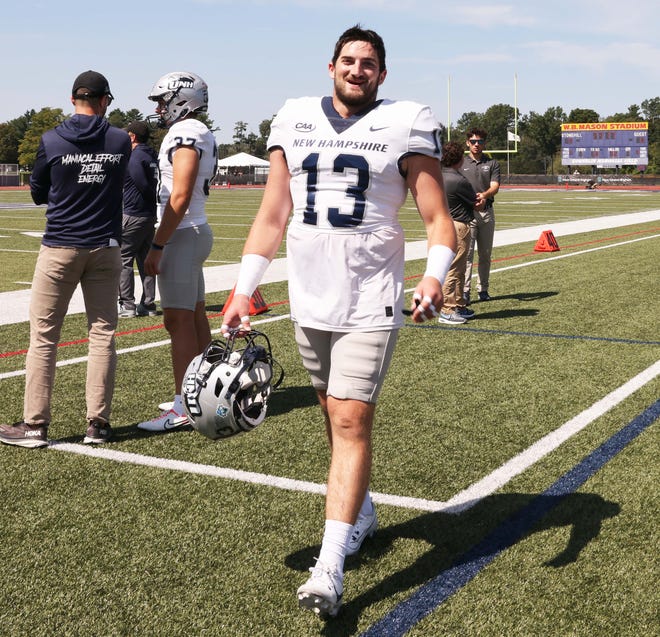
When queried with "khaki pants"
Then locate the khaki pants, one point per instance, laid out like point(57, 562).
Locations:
point(56, 276)
point(483, 233)
point(452, 290)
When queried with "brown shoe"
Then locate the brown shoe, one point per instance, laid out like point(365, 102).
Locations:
point(21, 434)
point(97, 432)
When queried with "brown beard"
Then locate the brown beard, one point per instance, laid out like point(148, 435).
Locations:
point(353, 100)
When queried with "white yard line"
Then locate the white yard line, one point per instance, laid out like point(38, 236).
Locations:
point(145, 346)
point(498, 478)
point(14, 306)
point(460, 502)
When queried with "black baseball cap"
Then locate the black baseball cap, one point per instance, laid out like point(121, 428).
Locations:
point(94, 82)
point(140, 129)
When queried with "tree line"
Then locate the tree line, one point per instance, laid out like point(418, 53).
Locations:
point(539, 149)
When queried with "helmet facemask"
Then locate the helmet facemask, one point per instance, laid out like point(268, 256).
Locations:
point(226, 388)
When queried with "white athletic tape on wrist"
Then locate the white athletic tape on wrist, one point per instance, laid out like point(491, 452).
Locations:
point(439, 261)
point(252, 269)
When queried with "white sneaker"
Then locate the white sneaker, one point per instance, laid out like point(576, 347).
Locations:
point(167, 421)
point(451, 318)
point(322, 592)
point(365, 526)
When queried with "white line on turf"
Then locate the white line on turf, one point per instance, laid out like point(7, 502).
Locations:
point(541, 448)
point(460, 502)
point(137, 348)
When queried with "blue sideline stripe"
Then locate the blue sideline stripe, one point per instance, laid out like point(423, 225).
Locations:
point(426, 599)
point(575, 337)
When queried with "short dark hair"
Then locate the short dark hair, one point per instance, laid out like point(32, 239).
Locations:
point(358, 34)
point(452, 153)
point(479, 132)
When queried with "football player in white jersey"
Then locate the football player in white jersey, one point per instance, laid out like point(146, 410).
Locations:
point(344, 164)
point(187, 163)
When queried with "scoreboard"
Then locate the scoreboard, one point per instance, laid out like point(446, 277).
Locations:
point(605, 144)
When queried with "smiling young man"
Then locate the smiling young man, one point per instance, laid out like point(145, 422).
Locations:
point(344, 164)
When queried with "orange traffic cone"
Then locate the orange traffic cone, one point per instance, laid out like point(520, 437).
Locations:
point(546, 242)
point(257, 303)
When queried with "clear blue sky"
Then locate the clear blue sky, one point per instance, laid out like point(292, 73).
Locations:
point(602, 54)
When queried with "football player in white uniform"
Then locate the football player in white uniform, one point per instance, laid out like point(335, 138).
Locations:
point(344, 164)
point(187, 163)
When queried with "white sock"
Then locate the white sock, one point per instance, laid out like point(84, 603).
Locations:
point(333, 548)
point(178, 404)
point(367, 507)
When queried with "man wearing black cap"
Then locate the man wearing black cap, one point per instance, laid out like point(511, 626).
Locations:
point(138, 224)
point(79, 173)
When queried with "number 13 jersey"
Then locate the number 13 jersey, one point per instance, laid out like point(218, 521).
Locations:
point(345, 246)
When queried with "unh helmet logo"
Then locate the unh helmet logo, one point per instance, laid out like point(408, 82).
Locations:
point(180, 82)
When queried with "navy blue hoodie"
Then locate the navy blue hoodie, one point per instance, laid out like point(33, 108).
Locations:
point(141, 182)
point(79, 172)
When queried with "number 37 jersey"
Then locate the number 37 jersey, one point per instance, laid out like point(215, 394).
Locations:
point(345, 246)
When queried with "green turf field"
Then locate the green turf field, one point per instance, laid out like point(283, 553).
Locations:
point(230, 213)
point(164, 534)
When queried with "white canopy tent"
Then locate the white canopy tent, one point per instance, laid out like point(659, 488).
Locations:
point(243, 168)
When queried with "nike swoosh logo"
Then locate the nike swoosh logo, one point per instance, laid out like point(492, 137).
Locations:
point(173, 423)
point(373, 129)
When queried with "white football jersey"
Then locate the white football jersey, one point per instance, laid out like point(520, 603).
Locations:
point(191, 133)
point(345, 246)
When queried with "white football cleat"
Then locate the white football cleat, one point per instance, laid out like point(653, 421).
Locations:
point(365, 526)
point(322, 592)
point(167, 421)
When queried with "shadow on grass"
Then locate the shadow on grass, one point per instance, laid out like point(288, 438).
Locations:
point(481, 307)
point(523, 297)
point(286, 399)
point(464, 540)
point(281, 401)
point(501, 314)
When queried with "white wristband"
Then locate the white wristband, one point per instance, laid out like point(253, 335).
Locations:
point(252, 269)
point(439, 261)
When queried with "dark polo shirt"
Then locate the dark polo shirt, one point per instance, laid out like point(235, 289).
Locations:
point(481, 173)
point(461, 196)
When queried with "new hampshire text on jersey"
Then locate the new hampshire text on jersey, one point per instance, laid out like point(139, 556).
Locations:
point(341, 143)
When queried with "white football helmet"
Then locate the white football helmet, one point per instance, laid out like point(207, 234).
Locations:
point(226, 388)
point(181, 93)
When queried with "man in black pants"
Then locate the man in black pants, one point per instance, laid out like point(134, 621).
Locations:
point(138, 223)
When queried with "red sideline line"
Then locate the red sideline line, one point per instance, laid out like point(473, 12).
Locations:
point(82, 341)
point(408, 278)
